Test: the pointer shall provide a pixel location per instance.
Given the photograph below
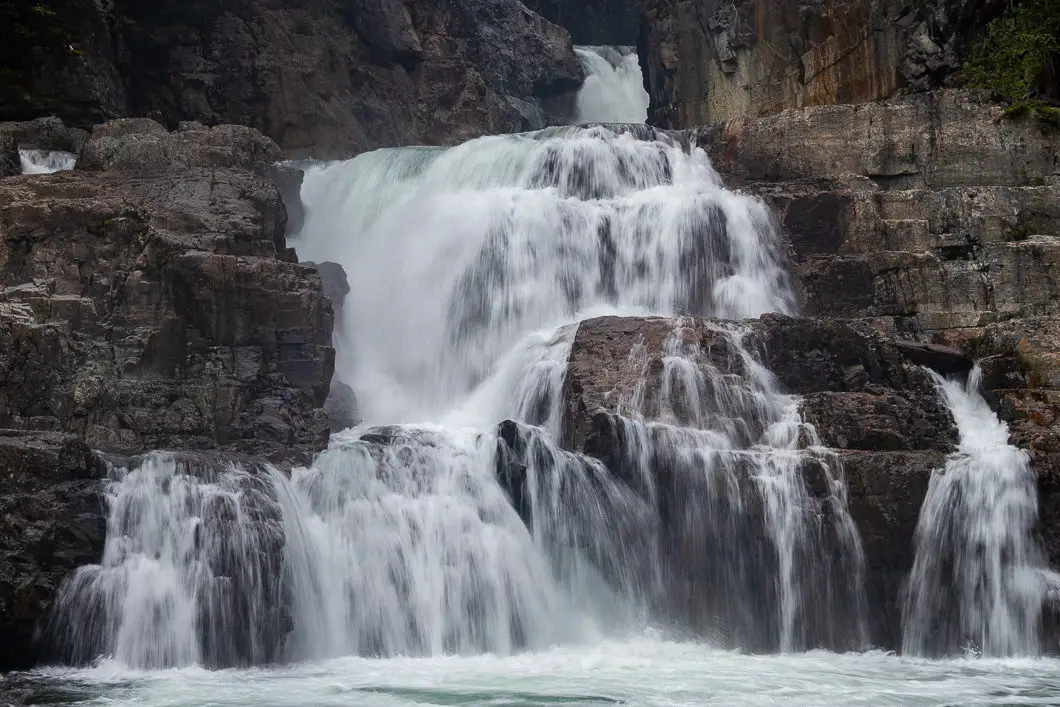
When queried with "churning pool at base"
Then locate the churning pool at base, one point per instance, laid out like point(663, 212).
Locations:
point(637, 672)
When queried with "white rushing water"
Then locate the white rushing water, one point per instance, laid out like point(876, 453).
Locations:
point(643, 672)
point(469, 268)
point(613, 91)
point(980, 577)
point(45, 161)
point(448, 551)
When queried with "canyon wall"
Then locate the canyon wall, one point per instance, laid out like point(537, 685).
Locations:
point(321, 78)
point(707, 61)
point(594, 22)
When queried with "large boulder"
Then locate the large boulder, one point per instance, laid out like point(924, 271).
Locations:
point(152, 302)
point(52, 520)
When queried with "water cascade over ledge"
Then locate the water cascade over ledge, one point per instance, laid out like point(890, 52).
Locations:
point(45, 161)
point(980, 577)
point(613, 91)
point(453, 520)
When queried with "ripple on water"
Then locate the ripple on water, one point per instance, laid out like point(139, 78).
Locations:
point(639, 673)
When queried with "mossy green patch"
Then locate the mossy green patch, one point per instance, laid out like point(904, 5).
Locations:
point(1016, 49)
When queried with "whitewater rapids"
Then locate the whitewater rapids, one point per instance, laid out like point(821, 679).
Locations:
point(642, 672)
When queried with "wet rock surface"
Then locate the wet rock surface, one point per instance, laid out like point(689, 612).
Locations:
point(152, 302)
point(52, 520)
point(148, 301)
point(860, 392)
point(320, 78)
point(929, 219)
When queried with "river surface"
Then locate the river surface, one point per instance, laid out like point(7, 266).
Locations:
point(640, 671)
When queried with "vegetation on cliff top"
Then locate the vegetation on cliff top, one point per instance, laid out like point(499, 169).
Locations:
point(1018, 58)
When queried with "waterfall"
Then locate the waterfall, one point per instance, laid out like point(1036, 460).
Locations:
point(452, 521)
point(613, 91)
point(455, 256)
point(190, 570)
point(979, 579)
point(45, 161)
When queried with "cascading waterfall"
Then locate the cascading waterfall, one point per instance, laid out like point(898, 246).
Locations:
point(190, 571)
point(775, 559)
point(470, 268)
point(613, 91)
point(980, 576)
point(45, 161)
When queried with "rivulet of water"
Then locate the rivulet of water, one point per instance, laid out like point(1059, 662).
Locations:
point(45, 161)
point(980, 576)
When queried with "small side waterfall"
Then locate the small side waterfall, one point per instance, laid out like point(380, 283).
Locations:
point(979, 579)
point(190, 571)
point(613, 91)
point(46, 161)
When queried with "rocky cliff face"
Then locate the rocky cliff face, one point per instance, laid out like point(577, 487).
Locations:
point(594, 22)
point(321, 78)
point(930, 217)
point(147, 300)
point(707, 61)
point(52, 520)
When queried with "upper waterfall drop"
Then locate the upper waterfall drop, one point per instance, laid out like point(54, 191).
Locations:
point(613, 91)
point(456, 255)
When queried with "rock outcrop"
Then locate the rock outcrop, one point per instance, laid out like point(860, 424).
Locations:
point(321, 78)
point(149, 300)
point(52, 520)
point(932, 218)
point(710, 61)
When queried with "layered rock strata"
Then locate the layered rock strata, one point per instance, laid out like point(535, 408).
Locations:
point(709, 61)
point(321, 78)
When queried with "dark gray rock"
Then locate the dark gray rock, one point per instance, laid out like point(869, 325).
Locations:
point(333, 277)
point(320, 78)
point(341, 407)
point(52, 520)
point(594, 22)
point(154, 304)
point(878, 410)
